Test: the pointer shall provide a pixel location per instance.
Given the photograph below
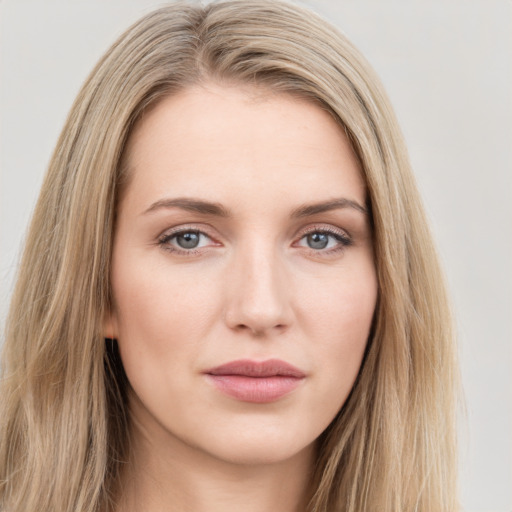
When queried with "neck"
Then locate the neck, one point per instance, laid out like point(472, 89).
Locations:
point(174, 477)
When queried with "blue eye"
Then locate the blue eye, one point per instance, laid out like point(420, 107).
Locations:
point(322, 240)
point(186, 240)
point(317, 240)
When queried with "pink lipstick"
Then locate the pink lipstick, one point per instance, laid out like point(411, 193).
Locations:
point(254, 381)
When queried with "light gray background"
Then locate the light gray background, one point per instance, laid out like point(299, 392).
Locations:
point(447, 65)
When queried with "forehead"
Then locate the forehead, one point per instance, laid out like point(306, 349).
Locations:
point(214, 141)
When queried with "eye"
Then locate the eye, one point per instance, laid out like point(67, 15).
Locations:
point(325, 240)
point(185, 240)
point(318, 240)
point(188, 239)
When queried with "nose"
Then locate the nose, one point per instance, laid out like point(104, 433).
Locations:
point(258, 293)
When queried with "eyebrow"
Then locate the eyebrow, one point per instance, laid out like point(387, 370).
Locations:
point(190, 205)
point(216, 209)
point(326, 206)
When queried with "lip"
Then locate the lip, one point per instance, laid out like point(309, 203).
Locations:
point(256, 381)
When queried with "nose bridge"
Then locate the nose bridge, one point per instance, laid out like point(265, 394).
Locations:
point(258, 291)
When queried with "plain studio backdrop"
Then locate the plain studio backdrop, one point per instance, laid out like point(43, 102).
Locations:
point(447, 66)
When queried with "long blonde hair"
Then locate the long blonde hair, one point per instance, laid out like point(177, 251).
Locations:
point(63, 421)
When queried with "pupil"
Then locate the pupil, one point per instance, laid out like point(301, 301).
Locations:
point(318, 240)
point(188, 240)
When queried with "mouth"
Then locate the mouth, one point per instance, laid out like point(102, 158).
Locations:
point(256, 381)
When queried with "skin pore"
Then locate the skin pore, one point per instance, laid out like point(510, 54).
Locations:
point(241, 236)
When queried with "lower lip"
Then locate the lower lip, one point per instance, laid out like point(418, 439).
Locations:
point(257, 390)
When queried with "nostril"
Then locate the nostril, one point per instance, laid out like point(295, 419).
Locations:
point(259, 331)
point(254, 330)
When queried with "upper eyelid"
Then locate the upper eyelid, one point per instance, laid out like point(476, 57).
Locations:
point(183, 228)
point(325, 228)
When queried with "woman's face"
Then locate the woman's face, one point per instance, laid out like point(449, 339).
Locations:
point(243, 277)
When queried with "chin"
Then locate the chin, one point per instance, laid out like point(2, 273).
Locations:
point(259, 447)
point(243, 455)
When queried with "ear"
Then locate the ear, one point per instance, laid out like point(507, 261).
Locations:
point(110, 324)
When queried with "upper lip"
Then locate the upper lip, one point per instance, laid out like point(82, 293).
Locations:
point(249, 368)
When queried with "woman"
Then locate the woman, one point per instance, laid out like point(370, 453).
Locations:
point(229, 296)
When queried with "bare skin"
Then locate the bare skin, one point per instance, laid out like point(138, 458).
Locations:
point(243, 236)
point(201, 483)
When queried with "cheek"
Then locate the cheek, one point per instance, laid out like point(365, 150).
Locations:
point(338, 318)
point(342, 302)
point(160, 314)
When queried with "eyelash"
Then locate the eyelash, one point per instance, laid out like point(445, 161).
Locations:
point(165, 239)
point(340, 236)
point(343, 239)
